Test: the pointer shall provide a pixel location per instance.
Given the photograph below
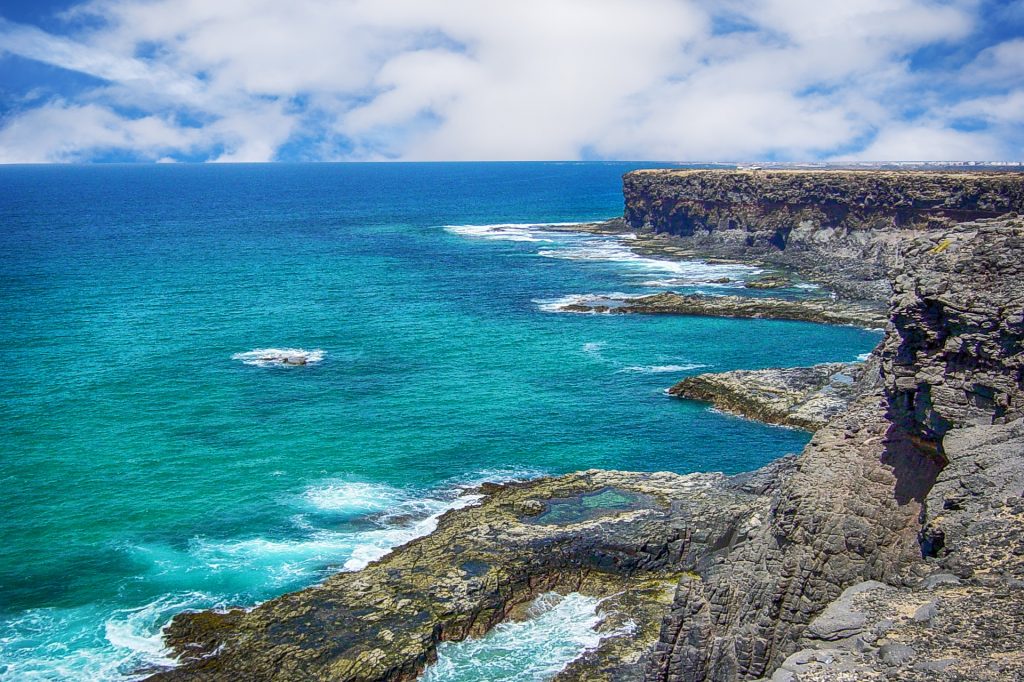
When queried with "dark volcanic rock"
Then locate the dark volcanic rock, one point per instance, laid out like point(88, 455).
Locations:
point(804, 397)
point(957, 356)
point(844, 228)
point(913, 497)
point(956, 319)
point(669, 303)
point(849, 512)
point(876, 492)
point(624, 535)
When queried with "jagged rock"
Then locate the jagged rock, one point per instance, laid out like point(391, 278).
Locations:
point(843, 228)
point(670, 303)
point(803, 397)
point(955, 314)
point(624, 535)
point(957, 356)
point(917, 485)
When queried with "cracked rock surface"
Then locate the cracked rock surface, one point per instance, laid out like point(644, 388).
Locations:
point(802, 397)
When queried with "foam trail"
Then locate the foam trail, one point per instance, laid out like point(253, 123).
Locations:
point(511, 232)
point(660, 369)
point(558, 631)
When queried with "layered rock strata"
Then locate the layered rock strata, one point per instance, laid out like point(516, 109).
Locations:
point(802, 397)
point(957, 314)
point(843, 228)
point(670, 303)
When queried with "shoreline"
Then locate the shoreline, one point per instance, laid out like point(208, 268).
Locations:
point(752, 574)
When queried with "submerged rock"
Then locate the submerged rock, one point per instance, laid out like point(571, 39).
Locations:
point(769, 282)
point(803, 397)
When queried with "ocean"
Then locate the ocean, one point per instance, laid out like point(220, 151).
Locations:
point(155, 454)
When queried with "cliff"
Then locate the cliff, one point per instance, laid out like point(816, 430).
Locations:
point(929, 452)
point(891, 548)
point(843, 228)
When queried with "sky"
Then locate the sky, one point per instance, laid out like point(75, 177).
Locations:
point(427, 80)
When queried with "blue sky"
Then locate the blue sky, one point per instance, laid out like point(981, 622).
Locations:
point(675, 80)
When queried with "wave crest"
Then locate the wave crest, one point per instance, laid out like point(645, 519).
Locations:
point(660, 369)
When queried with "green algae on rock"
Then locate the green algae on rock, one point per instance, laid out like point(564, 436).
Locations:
point(627, 536)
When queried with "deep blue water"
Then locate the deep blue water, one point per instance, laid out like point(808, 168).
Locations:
point(145, 470)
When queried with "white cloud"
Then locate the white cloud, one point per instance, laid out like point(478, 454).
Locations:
point(62, 132)
point(533, 79)
point(901, 142)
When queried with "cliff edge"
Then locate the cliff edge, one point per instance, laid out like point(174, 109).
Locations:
point(842, 228)
point(891, 548)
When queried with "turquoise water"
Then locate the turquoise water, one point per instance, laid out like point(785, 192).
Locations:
point(147, 467)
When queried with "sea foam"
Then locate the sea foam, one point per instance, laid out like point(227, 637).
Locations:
point(558, 630)
point(661, 369)
point(510, 232)
point(280, 357)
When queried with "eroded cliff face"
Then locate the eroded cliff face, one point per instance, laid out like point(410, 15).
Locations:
point(842, 227)
point(892, 548)
point(957, 354)
point(918, 487)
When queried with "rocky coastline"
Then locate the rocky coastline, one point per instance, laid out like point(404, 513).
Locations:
point(671, 303)
point(891, 548)
point(802, 397)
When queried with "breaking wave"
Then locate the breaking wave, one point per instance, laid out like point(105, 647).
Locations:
point(557, 631)
point(280, 357)
point(660, 369)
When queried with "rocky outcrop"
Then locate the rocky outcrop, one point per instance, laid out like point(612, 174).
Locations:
point(957, 356)
point(842, 228)
point(626, 536)
point(952, 369)
point(670, 303)
point(802, 397)
point(889, 492)
point(892, 548)
point(850, 512)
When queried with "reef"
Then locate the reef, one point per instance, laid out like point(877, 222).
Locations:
point(891, 548)
point(801, 397)
point(824, 311)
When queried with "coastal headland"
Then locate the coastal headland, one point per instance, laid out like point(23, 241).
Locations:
point(891, 548)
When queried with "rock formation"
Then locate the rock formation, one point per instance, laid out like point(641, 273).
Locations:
point(843, 228)
point(891, 548)
point(670, 303)
point(626, 536)
point(803, 397)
